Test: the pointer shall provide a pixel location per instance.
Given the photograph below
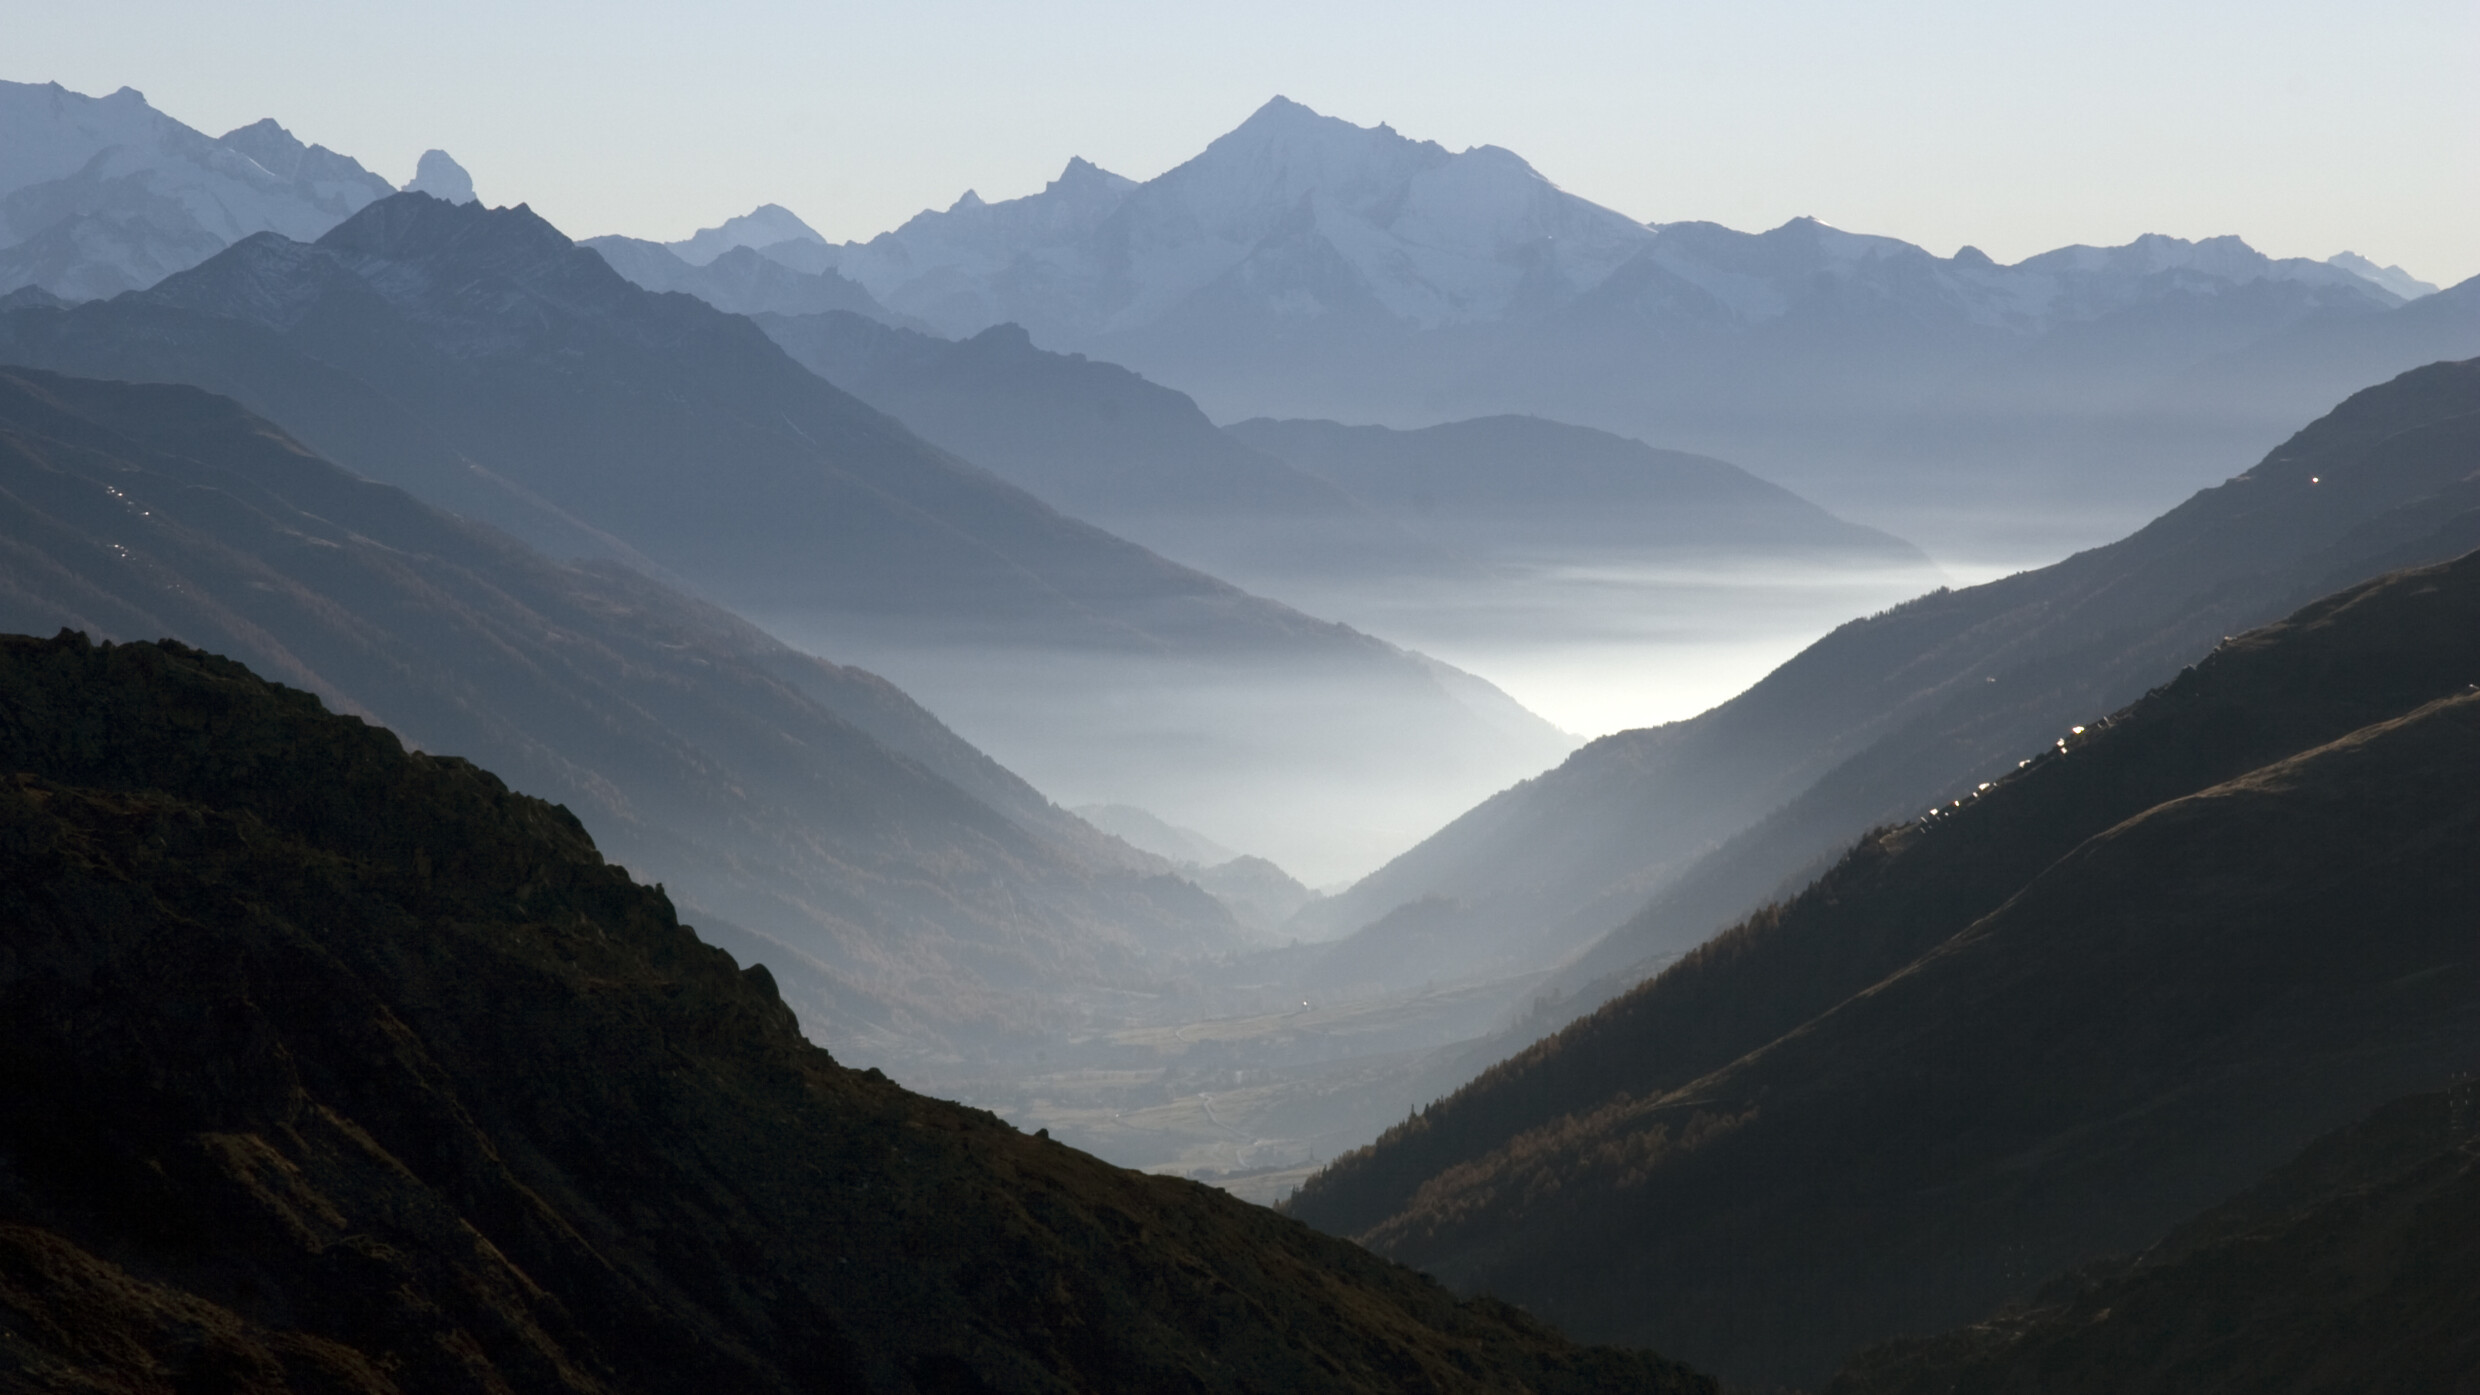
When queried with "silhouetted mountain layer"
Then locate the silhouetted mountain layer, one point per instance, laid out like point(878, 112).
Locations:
point(1521, 488)
point(1679, 830)
point(331, 1067)
point(1102, 444)
point(915, 894)
point(779, 233)
point(484, 362)
point(2038, 1026)
point(742, 280)
point(2350, 1268)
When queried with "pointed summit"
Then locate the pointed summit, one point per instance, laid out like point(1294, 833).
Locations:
point(1281, 108)
point(767, 225)
point(1083, 176)
point(441, 178)
point(277, 151)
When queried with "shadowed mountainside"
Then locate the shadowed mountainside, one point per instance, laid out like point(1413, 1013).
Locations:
point(1517, 487)
point(333, 1067)
point(2349, 1268)
point(2037, 1027)
point(912, 892)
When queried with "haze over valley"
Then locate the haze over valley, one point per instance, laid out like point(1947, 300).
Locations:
point(1022, 799)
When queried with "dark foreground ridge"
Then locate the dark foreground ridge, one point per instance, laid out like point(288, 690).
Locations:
point(2351, 1268)
point(330, 1067)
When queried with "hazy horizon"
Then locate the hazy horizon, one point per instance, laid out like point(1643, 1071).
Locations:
point(1938, 123)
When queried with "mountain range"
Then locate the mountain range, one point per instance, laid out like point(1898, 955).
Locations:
point(916, 898)
point(336, 1067)
point(739, 280)
point(2064, 982)
point(482, 361)
point(1328, 517)
point(2041, 1024)
point(100, 195)
point(1302, 266)
point(1410, 233)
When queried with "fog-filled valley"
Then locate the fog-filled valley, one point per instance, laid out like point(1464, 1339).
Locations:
point(1747, 797)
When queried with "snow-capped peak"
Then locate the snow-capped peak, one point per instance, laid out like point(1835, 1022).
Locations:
point(71, 167)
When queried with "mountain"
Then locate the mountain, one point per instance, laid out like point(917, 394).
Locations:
point(1414, 233)
point(1304, 267)
point(1100, 443)
point(441, 177)
point(99, 195)
point(2344, 1269)
point(1562, 550)
point(917, 899)
point(2393, 278)
point(1260, 895)
point(2037, 1026)
point(1672, 833)
point(765, 228)
point(1525, 489)
point(948, 264)
point(1140, 829)
point(740, 281)
point(337, 1067)
point(482, 361)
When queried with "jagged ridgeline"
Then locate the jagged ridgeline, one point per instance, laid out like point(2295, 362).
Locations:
point(334, 1067)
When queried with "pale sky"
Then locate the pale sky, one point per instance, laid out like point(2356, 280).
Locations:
point(2306, 128)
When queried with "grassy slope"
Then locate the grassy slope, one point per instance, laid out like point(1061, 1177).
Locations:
point(1738, 1158)
point(331, 1067)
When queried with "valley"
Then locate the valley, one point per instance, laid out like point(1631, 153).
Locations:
point(1336, 768)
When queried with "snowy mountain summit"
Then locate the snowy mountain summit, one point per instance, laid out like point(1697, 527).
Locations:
point(1295, 217)
point(1302, 213)
point(100, 195)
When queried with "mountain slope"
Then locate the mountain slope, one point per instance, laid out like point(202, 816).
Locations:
point(2344, 1269)
point(1525, 488)
point(928, 899)
point(2389, 478)
point(2038, 1027)
point(1100, 443)
point(1671, 833)
point(333, 1067)
point(481, 360)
